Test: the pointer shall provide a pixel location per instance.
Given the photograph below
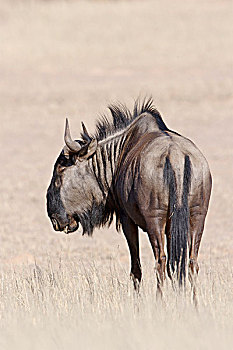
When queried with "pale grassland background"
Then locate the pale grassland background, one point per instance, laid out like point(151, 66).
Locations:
point(72, 58)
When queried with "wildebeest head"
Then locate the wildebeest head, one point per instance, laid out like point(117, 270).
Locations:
point(73, 186)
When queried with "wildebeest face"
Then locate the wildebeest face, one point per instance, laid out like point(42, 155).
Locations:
point(71, 189)
point(60, 219)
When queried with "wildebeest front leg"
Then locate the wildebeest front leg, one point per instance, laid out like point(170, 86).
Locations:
point(130, 230)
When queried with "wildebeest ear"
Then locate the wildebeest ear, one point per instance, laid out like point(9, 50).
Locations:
point(85, 134)
point(88, 150)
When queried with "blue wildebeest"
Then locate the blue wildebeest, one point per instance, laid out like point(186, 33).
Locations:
point(149, 176)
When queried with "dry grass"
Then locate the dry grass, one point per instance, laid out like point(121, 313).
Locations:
point(81, 306)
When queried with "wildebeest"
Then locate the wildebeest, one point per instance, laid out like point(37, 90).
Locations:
point(145, 174)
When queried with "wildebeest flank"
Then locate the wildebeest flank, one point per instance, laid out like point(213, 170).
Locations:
point(148, 176)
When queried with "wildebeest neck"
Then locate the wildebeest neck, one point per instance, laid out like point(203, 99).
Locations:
point(109, 156)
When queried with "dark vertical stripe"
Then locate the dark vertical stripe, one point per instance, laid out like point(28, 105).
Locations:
point(109, 156)
point(104, 160)
point(97, 172)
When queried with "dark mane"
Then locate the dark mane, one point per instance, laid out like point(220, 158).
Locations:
point(122, 117)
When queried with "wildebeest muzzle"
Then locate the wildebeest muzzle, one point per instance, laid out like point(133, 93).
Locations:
point(67, 226)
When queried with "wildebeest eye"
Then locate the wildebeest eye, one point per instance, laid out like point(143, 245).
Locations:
point(66, 160)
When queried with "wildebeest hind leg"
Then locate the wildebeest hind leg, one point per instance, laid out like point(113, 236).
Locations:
point(156, 233)
point(196, 230)
point(130, 230)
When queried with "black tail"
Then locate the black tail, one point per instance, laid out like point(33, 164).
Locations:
point(179, 218)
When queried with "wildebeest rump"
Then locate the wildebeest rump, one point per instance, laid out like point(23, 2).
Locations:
point(145, 174)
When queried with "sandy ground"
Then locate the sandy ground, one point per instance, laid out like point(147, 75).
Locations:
point(72, 59)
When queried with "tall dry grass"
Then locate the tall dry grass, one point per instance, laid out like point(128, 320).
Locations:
point(75, 306)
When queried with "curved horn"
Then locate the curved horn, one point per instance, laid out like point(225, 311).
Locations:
point(85, 134)
point(72, 145)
